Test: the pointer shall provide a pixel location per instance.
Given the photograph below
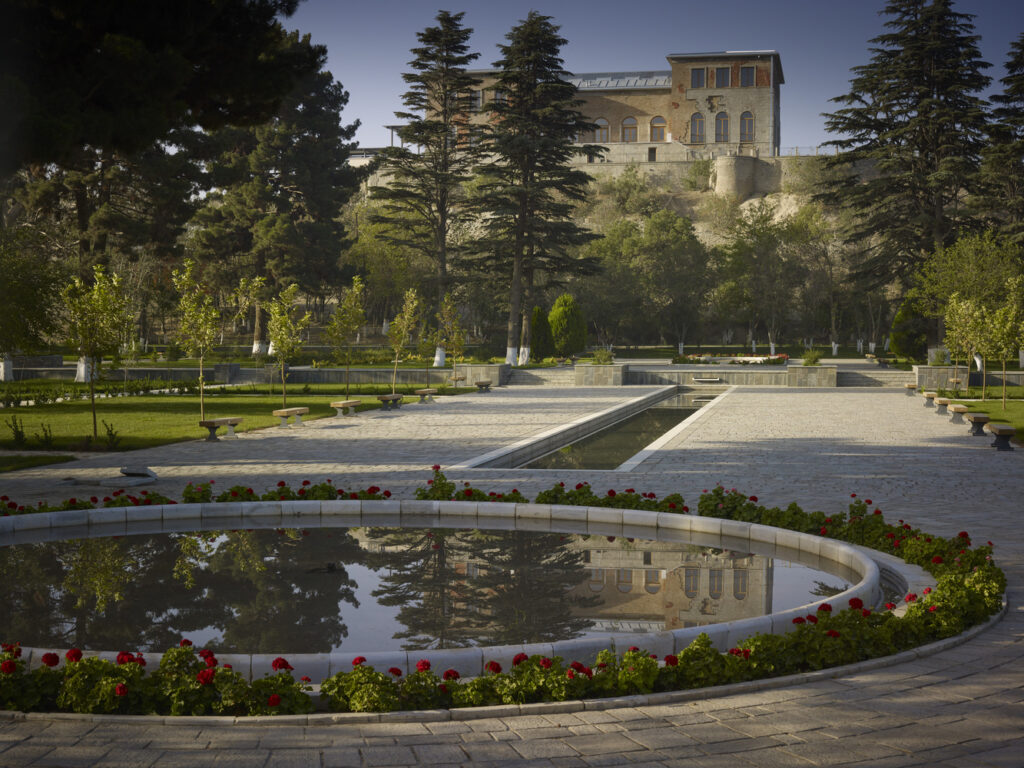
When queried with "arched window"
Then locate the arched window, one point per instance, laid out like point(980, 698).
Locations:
point(715, 578)
point(721, 127)
point(740, 584)
point(691, 582)
point(601, 133)
point(595, 579)
point(697, 128)
point(629, 129)
point(652, 581)
point(747, 127)
point(658, 129)
point(624, 579)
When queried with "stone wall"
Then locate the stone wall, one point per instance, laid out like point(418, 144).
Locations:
point(600, 375)
point(932, 377)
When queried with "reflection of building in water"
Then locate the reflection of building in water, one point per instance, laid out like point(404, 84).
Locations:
point(671, 586)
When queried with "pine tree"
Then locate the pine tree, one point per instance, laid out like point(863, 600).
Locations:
point(1001, 202)
point(529, 187)
point(279, 189)
point(423, 205)
point(911, 131)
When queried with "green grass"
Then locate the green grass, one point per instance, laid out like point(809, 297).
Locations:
point(20, 461)
point(993, 407)
point(143, 422)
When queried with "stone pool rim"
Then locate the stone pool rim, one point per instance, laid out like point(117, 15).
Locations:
point(827, 555)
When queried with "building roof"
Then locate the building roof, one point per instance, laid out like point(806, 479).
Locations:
point(613, 81)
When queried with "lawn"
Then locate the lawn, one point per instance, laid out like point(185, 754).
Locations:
point(1014, 413)
point(143, 422)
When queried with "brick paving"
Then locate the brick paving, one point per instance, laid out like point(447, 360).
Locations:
point(960, 707)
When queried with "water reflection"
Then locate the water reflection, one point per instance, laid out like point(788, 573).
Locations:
point(294, 591)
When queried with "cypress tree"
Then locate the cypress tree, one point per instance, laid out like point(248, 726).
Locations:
point(911, 131)
point(1001, 202)
point(422, 202)
point(529, 188)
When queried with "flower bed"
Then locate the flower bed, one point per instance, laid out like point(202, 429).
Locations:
point(969, 589)
point(741, 359)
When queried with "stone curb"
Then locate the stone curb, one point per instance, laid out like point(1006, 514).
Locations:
point(540, 708)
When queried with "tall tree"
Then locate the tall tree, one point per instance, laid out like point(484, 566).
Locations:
point(29, 311)
point(280, 187)
point(344, 326)
point(285, 330)
point(1001, 202)
point(119, 76)
point(423, 204)
point(529, 185)
point(197, 329)
point(910, 133)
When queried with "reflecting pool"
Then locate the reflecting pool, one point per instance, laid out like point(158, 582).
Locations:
point(360, 589)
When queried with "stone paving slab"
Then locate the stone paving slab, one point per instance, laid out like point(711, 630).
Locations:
point(963, 706)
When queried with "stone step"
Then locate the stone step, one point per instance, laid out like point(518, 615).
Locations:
point(546, 377)
point(880, 378)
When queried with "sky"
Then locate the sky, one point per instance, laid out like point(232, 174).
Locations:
point(818, 41)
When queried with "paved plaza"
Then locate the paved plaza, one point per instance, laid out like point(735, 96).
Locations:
point(960, 707)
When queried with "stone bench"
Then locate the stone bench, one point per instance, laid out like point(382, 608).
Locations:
point(284, 413)
point(978, 422)
point(706, 380)
point(454, 380)
point(929, 399)
point(958, 412)
point(1002, 434)
point(910, 389)
point(213, 424)
point(941, 404)
point(956, 383)
point(346, 407)
point(390, 402)
point(426, 395)
point(484, 385)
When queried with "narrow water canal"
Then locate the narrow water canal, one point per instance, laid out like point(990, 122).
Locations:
point(613, 445)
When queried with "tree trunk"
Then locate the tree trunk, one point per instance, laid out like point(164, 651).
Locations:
point(515, 297)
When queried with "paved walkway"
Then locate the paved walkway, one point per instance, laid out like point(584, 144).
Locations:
point(962, 707)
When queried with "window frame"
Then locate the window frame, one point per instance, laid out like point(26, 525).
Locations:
point(722, 127)
point(703, 77)
point(633, 130)
point(716, 583)
point(602, 132)
point(697, 137)
point(752, 71)
point(727, 79)
point(747, 133)
point(660, 127)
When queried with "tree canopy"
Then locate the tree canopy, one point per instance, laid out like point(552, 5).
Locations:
point(119, 75)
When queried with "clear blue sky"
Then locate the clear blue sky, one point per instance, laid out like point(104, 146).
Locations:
point(819, 41)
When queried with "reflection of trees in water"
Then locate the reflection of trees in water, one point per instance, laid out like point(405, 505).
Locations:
point(458, 588)
point(524, 586)
point(423, 578)
point(821, 589)
point(116, 593)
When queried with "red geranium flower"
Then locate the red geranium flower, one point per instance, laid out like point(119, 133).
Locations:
point(937, 559)
point(306, 679)
point(545, 662)
point(422, 665)
point(121, 689)
point(753, 498)
point(890, 606)
point(205, 676)
point(51, 659)
point(73, 655)
point(436, 467)
point(671, 660)
point(825, 607)
point(856, 603)
point(832, 633)
point(273, 700)
point(211, 661)
point(280, 663)
point(812, 619)
point(518, 659)
point(799, 620)
point(358, 660)
point(611, 492)
point(9, 667)
point(125, 658)
point(395, 671)
point(450, 674)
point(185, 642)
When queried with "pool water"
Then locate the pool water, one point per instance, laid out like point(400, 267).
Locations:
point(615, 444)
point(360, 589)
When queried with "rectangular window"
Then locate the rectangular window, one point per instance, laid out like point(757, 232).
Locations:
point(747, 77)
point(697, 78)
point(652, 154)
point(657, 132)
point(499, 97)
point(722, 77)
point(476, 100)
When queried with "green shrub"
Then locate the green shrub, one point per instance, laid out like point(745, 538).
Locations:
point(603, 357)
point(812, 357)
point(568, 328)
